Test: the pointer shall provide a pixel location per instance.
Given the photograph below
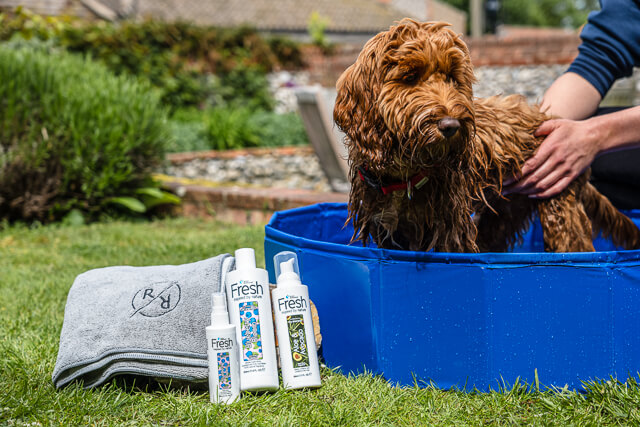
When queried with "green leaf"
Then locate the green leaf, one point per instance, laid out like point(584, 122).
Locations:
point(150, 191)
point(152, 197)
point(130, 203)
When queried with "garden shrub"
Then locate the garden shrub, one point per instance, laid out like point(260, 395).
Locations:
point(229, 128)
point(188, 131)
point(179, 58)
point(277, 130)
point(232, 128)
point(72, 135)
point(246, 87)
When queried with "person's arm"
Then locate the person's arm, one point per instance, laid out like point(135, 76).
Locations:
point(559, 159)
point(571, 96)
point(610, 48)
point(571, 146)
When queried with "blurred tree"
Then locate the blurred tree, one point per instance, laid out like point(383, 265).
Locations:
point(539, 13)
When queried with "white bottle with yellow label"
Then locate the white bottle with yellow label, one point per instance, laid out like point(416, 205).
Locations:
point(294, 325)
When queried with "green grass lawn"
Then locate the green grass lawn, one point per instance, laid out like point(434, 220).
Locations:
point(38, 266)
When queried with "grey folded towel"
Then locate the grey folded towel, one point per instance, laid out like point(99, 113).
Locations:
point(139, 320)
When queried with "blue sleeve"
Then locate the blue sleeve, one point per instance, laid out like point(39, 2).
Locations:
point(610, 44)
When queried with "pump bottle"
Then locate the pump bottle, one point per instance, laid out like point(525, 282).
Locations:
point(250, 311)
point(294, 325)
point(222, 352)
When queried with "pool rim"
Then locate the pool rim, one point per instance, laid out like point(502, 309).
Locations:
point(357, 251)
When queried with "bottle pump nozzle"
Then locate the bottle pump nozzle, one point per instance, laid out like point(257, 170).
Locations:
point(286, 266)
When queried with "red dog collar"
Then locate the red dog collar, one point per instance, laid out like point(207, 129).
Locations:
point(416, 181)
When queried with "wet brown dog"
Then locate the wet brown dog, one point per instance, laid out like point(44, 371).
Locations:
point(424, 154)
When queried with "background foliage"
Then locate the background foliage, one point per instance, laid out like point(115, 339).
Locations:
point(192, 65)
point(540, 13)
point(73, 135)
point(197, 71)
point(227, 128)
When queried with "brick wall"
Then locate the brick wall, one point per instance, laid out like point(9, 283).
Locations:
point(45, 7)
point(325, 69)
point(518, 48)
point(524, 50)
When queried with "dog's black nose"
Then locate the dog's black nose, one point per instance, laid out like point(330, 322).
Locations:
point(448, 126)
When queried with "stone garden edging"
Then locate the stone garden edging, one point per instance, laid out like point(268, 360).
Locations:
point(246, 201)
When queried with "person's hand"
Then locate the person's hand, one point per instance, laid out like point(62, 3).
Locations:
point(568, 149)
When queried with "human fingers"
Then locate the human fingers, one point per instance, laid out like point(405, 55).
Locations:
point(510, 180)
point(546, 128)
point(546, 166)
point(542, 155)
point(554, 190)
point(545, 183)
point(538, 158)
point(531, 180)
point(535, 168)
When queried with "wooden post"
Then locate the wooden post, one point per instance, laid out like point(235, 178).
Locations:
point(477, 18)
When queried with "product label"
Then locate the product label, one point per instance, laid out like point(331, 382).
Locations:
point(250, 331)
point(218, 344)
point(298, 341)
point(224, 371)
point(246, 289)
point(292, 304)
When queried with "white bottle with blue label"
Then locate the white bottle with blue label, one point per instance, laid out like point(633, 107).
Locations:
point(294, 325)
point(249, 306)
point(222, 352)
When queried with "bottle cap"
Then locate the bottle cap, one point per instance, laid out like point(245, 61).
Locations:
point(245, 259)
point(219, 314)
point(286, 268)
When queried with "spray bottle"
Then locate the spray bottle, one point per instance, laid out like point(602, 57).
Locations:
point(250, 311)
point(222, 352)
point(294, 325)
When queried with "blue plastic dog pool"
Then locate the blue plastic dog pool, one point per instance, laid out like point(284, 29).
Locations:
point(465, 320)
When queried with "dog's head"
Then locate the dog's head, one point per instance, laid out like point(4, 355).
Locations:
point(407, 100)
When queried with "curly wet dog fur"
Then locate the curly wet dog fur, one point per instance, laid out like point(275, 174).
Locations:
point(407, 108)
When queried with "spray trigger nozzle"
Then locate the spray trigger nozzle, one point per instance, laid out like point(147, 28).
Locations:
point(219, 314)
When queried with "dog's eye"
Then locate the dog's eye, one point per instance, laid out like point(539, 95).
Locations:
point(410, 78)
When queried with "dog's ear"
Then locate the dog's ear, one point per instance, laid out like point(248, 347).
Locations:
point(356, 109)
point(462, 66)
point(345, 100)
